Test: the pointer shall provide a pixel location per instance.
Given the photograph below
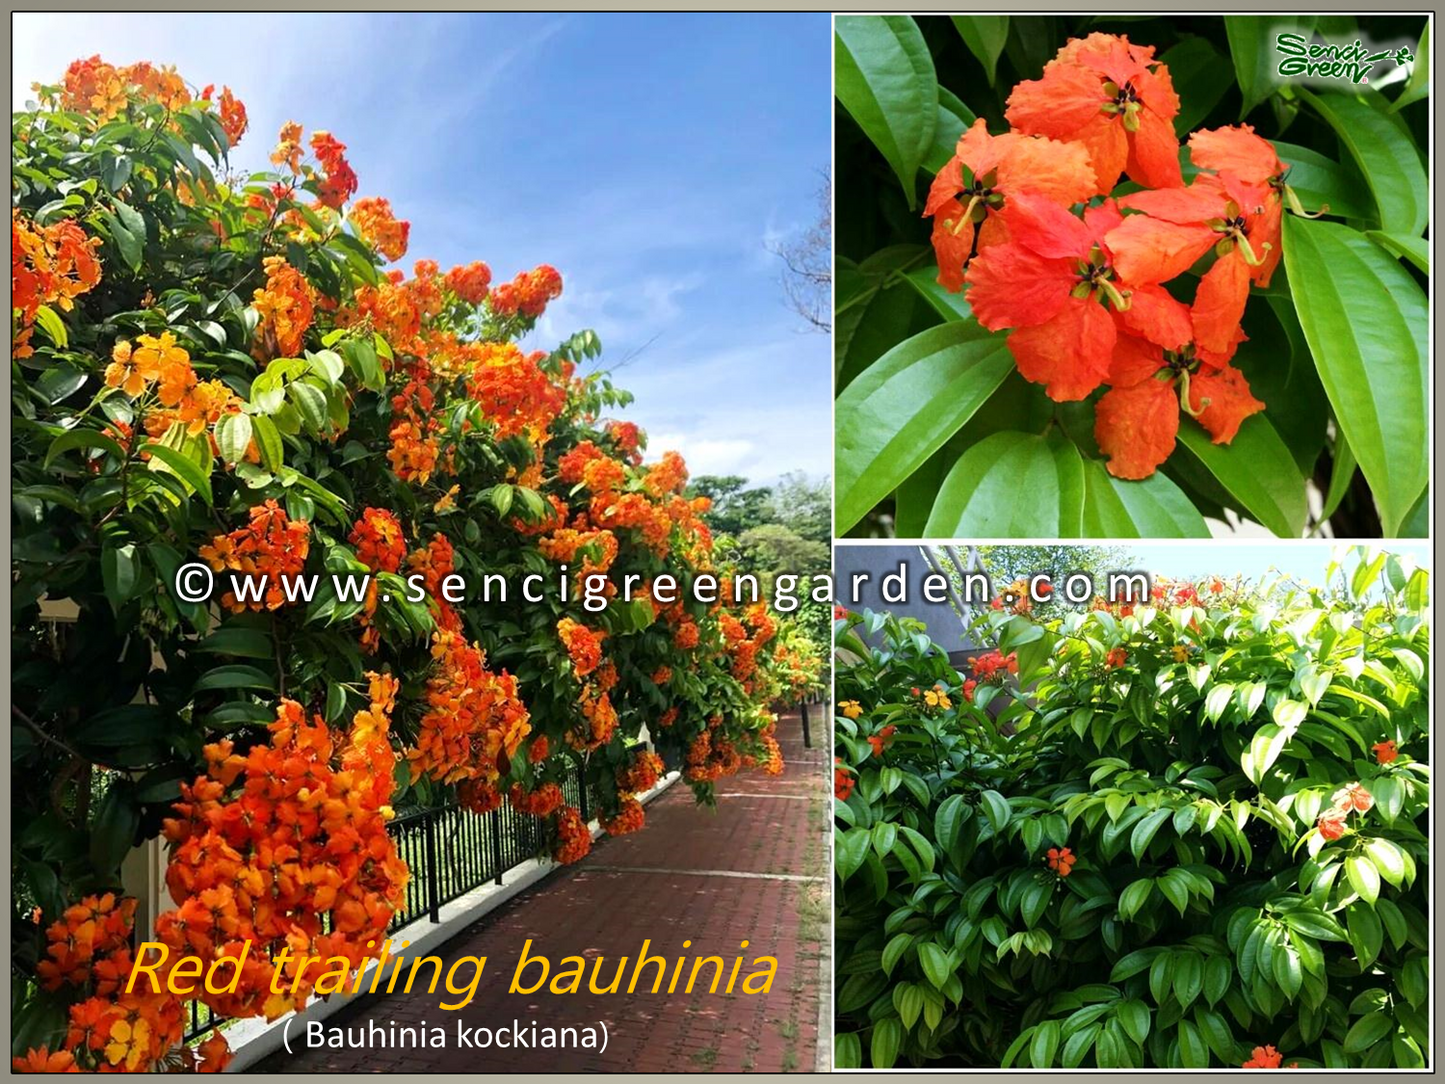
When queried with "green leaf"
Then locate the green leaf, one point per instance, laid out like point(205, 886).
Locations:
point(1418, 85)
point(1045, 1044)
point(883, 74)
point(1414, 249)
point(1316, 924)
point(935, 964)
point(235, 677)
point(268, 442)
point(242, 642)
point(1135, 1017)
point(120, 572)
point(847, 1051)
point(1367, 1031)
point(1251, 44)
point(1388, 859)
point(1035, 901)
point(1076, 1048)
point(1134, 897)
point(1367, 935)
point(1145, 831)
point(904, 406)
point(181, 465)
point(1201, 77)
point(233, 436)
point(1012, 485)
point(1192, 1049)
point(1319, 181)
point(1341, 475)
point(951, 306)
point(1366, 321)
point(82, 438)
point(1256, 469)
point(954, 118)
point(1384, 153)
point(1152, 508)
point(985, 36)
point(52, 325)
point(1363, 877)
point(887, 1038)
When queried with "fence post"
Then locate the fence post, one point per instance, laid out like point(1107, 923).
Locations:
point(496, 816)
point(582, 792)
point(433, 908)
point(807, 733)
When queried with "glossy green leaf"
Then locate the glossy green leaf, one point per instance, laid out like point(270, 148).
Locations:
point(1367, 1031)
point(1012, 485)
point(1363, 877)
point(233, 436)
point(985, 36)
point(181, 465)
point(883, 74)
point(1193, 1051)
point(1201, 78)
point(954, 118)
point(1385, 154)
point(1321, 182)
point(887, 1038)
point(1257, 470)
point(1417, 86)
point(903, 407)
point(1367, 322)
point(1251, 45)
point(1341, 474)
point(1152, 508)
point(1414, 249)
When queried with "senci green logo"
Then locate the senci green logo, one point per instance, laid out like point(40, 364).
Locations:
point(1324, 61)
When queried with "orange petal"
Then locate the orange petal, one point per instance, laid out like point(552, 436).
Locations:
point(1236, 150)
point(1108, 146)
point(1219, 303)
point(1059, 105)
point(1265, 229)
point(1044, 226)
point(1136, 427)
point(1059, 172)
point(1222, 401)
point(1202, 200)
point(945, 187)
point(1134, 361)
point(1154, 152)
point(949, 248)
point(981, 152)
point(1148, 250)
point(1069, 354)
point(1012, 286)
point(1156, 315)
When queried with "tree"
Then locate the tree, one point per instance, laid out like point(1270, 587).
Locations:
point(804, 504)
point(807, 276)
point(735, 506)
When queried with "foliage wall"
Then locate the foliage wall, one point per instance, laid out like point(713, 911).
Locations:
point(1195, 835)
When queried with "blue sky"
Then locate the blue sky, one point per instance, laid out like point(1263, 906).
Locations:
point(651, 159)
point(1305, 560)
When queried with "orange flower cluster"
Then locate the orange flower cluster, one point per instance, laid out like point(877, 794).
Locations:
point(879, 741)
point(414, 446)
point(687, 635)
point(388, 309)
point(1267, 1057)
point(474, 721)
point(1352, 798)
point(515, 394)
point(542, 802)
point(479, 796)
point(627, 436)
point(1116, 658)
point(630, 817)
point(843, 780)
point(527, 294)
point(271, 544)
point(583, 645)
point(286, 306)
point(712, 755)
point(574, 840)
point(267, 844)
point(338, 184)
point(378, 227)
point(233, 117)
point(157, 361)
point(989, 666)
point(1084, 297)
point(469, 283)
point(379, 541)
point(640, 774)
point(48, 265)
point(109, 1030)
point(103, 90)
point(1061, 860)
point(1385, 751)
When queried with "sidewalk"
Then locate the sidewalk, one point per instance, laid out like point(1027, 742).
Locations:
point(754, 868)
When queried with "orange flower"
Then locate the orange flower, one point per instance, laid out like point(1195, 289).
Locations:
point(48, 265)
point(43, 1061)
point(584, 645)
point(1061, 860)
point(843, 781)
point(1353, 798)
point(379, 228)
point(1112, 97)
point(378, 539)
point(339, 183)
point(574, 840)
point(469, 283)
point(527, 294)
point(271, 544)
point(629, 819)
point(286, 306)
point(997, 167)
point(1116, 658)
point(880, 740)
point(1264, 1057)
point(1385, 751)
point(1137, 420)
point(288, 147)
point(1053, 282)
point(1331, 824)
point(233, 117)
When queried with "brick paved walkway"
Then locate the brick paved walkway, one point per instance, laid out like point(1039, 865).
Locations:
point(754, 868)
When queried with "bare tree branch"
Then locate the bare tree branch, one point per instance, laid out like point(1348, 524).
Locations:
point(807, 276)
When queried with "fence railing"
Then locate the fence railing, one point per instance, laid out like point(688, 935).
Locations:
point(450, 852)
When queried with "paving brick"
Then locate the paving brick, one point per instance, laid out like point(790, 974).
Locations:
point(650, 885)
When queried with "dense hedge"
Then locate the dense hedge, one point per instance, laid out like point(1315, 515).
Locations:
point(1194, 835)
point(212, 363)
